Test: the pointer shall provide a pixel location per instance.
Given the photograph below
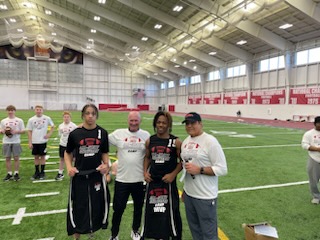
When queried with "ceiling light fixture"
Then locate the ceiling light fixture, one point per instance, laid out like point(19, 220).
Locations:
point(13, 20)
point(241, 42)
point(48, 12)
point(212, 53)
point(176, 66)
point(157, 26)
point(96, 18)
point(177, 8)
point(144, 39)
point(192, 60)
point(102, 1)
point(3, 7)
point(285, 26)
point(51, 25)
point(93, 30)
point(19, 30)
point(54, 34)
point(194, 67)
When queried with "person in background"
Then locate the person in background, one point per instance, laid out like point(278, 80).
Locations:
point(38, 136)
point(161, 166)
point(204, 161)
point(311, 143)
point(11, 128)
point(89, 195)
point(64, 130)
point(130, 143)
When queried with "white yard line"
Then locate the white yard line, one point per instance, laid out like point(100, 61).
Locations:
point(263, 187)
point(263, 146)
point(21, 212)
point(42, 194)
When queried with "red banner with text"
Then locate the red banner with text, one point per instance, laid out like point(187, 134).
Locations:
point(310, 96)
point(268, 97)
point(194, 99)
point(235, 98)
point(213, 98)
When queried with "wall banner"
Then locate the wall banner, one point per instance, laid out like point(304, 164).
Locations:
point(268, 96)
point(310, 96)
point(213, 98)
point(235, 98)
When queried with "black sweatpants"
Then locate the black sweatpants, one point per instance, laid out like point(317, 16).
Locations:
point(122, 192)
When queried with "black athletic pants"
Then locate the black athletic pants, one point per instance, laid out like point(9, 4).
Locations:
point(121, 196)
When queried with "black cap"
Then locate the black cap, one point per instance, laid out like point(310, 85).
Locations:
point(192, 117)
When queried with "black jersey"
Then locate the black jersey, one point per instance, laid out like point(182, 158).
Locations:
point(89, 196)
point(163, 155)
point(88, 146)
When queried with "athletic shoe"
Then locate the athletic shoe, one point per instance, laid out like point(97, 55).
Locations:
point(8, 177)
point(315, 201)
point(35, 176)
point(59, 177)
point(135, 235)
point(42, 176)
point(114, 238)
point(16, 177)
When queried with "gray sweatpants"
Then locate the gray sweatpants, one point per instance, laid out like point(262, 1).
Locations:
point(202, 218)
point(313, 169)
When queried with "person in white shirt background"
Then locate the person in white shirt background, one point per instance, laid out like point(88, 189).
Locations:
point(311, 142)
point(38, 136)
point(11, 128)
point(64, 130)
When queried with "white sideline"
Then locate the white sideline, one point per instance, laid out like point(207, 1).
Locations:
point(262, 146)
point(42, 194)
point(21, 212)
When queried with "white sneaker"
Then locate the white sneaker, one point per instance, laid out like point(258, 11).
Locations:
point(135, 235)
point(315, 201)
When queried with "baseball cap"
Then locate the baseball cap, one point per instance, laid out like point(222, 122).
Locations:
point(192, 117)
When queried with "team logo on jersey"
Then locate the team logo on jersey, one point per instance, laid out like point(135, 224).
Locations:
point(160, 154)
point(89, 146)
point(97, 186)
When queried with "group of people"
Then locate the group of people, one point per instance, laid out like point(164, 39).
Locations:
point(39, 128)
point(156, 160)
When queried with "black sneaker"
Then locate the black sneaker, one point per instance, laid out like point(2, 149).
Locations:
point(8, 177)
point(16, 177)
point(35, 176)
point(42, 176)
point(59, 177)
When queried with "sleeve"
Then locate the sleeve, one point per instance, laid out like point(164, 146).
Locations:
point(305, 143)
point(70, 143)
point(217, 158)
point(50, 122)
point(112, 138)
point(29, 126)
point(105, 143)
point(22, 127)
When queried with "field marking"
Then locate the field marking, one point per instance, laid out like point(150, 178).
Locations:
point(51, 170)
point(44, 181)
point(222, 235)
point(263, 187)
point(18, 218)
point(262, 146)
point(42, 194)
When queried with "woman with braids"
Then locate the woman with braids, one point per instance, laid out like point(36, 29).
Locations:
point(89, 195)
point(161, 166)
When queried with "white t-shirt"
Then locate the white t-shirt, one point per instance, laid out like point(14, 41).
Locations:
point(64, 130)
point(130, 152)
point(312, 138)
point(204, 151)
point(39, 127)
point(16, 124)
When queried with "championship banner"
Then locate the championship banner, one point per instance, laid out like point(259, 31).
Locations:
point(268, 97)
point(214, 98)
point(310, 96)
point(235, 98)
point(195, 99)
